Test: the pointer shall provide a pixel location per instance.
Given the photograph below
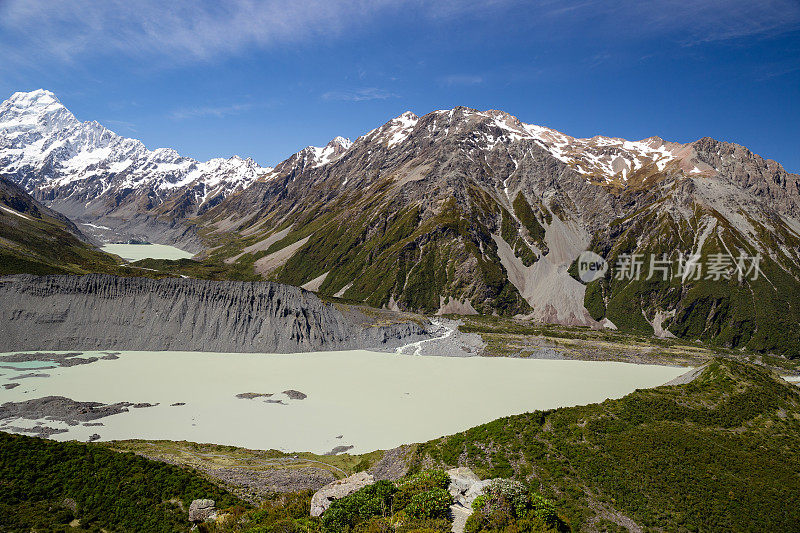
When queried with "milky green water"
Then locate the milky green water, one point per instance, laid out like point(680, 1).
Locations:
point(374, 400)
point(135, 252)
point(24, 365)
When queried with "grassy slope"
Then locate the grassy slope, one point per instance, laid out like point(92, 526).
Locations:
point(718, 454)
point(45, 246)
point(114, 491)
point(521, 338)
point(373, 251)
point(761, 315)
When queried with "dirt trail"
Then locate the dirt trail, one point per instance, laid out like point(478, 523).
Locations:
point(460, 516)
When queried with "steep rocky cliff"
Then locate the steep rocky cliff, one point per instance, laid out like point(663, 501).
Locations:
point(107, 312)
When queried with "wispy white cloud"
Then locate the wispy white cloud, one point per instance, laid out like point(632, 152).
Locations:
point(359, 95)
point(461, 79)
point(124, 124)
point(210, 111)
point(179, 31)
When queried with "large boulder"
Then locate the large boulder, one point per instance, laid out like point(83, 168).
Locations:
point(337, 490)
point(202, 510)
point(465, 486)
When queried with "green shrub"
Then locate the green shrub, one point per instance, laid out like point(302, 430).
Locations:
point(515, 493)
point(279, 513)
point(510, 506)
point(431, 525)
point(478, 503)
point(374, 525)
point(370, 501)
point(543, 509)
point(476, 522)
point(418, 483)
point(337, 518)
point(433, 503)
point(427, 479)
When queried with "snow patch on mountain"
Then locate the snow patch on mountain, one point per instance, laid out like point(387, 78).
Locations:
point(316, 156)
point(332, 151)
point(394, 132)
point(14, 212)
point(605, 157)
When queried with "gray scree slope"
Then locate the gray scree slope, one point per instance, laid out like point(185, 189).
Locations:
point(107, 312)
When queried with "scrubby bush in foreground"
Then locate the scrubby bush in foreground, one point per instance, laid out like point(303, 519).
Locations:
point(421, 501)
point(510, 506)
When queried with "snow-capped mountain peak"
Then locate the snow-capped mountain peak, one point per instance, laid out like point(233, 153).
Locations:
point(393, 132)
point(38, 109)
point(341, 141)
point(317, 156)
point(40, 98)
point(45, 148)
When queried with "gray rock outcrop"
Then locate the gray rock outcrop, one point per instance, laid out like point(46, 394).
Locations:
point(337, 490)
point(61, 409)
point(99, 311)
point(465, 486)
point(393, 465)
point(202, 510)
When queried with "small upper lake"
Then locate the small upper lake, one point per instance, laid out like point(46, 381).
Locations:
point(135, 252)
point(316, 401)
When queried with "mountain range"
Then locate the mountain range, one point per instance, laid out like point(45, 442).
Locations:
point(457, 211)
point(88, 172)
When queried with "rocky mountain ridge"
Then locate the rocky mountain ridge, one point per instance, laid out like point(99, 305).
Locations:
point(469, 211)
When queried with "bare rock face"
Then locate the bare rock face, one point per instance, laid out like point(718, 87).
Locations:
point(202, 510)
point(465, 486)
point(337, 490)
point(393, 465)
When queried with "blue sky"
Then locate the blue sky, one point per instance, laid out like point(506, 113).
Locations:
point(264, 78)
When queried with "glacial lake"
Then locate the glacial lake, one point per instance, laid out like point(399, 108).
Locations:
point(356, 398)
point(135, 252)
